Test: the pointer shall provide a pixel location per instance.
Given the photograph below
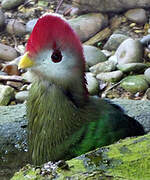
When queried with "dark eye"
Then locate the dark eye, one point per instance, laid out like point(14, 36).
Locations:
point(56, 56)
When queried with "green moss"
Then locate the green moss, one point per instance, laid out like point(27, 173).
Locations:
point(28, 172)
point(133, 163)
point(76, 166)
point(127, 159)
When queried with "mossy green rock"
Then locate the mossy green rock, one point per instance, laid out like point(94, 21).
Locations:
point(6, 94)
point(93, 55)
point(132, 67)
point(127, 159)
point(134, 84)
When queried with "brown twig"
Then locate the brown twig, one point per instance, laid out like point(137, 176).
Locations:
point(58, 6)
point(113, 86)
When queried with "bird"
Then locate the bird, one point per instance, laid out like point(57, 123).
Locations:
point(64, 121)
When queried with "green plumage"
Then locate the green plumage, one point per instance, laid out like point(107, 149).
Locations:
point(62, 128)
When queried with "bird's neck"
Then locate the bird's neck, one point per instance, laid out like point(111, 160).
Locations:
point(54, 114)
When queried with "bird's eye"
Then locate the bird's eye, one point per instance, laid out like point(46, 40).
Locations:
point(56, 56)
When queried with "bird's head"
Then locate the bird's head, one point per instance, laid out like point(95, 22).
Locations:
point(54, 51)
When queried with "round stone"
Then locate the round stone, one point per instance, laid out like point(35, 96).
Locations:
point(134, 84)
point(129, 51)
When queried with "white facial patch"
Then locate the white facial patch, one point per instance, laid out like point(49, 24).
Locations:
point(59, 70)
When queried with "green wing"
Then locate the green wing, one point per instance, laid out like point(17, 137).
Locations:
point(112, 125)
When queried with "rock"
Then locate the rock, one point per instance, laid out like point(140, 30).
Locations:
point(2, 73)
point(11, 69)
point(129, 51)
point(11, 78)
point(110, 76)
point(106, 6)
point(147, 75)
point(74, 11)
point(93, 55)
point(6, 94)
point(128, 159)
point(10, 4)
point(106, 66)
point(1, 66)
point(137, 15)
point(113, 58)
point(134, 84)
point(21, 96)
point(13, 139)
point(2, 19)
point(15, 61)
point(139, 109)
point(114, 41)
point(21, 49)
point(30, 25)
point(87, 25)
point(107, 53)
point(145, 40)
point(147, 93)
point(16, 85)
point(7, 53)
point(132, 67)
point(15, 27)
point(92, 84)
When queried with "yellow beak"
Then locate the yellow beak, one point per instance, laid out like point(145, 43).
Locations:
point(25, 62)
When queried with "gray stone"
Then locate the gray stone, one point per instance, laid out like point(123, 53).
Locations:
point(15, 27)
point(6, 94)
point(2, 73)
point(132, 67)
point(113, 59)
point(93, 55)
point(10, 4)
point(107, 53)
point(137, 15)
point(16, 60)
point(92, 84)
point(7, 53)
point(30, 25)
point(147, 75)
point(21, 96)
point(134, 84)
point(139, 109)
point(2, 19)
point(87, 25)
point(109, 6)
point(114, 41)
point(106, 66)
point(129, 51)
point(110, 76)
point(13, 139)
point(147, 93)
point(145, 40)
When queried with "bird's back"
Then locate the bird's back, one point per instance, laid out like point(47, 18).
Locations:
point(112, 124)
